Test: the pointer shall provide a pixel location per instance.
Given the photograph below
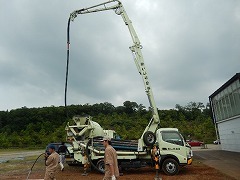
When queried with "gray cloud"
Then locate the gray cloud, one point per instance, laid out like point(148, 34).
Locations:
point(190, 49)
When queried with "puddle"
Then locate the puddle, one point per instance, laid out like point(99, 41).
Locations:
point(7, 159)
point(3, 161)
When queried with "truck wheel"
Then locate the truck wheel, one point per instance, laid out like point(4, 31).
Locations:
point(170, 167)
point(101, 165)
point(149, 138)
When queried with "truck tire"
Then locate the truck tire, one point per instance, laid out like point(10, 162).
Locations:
point(101, 165)
point(170, 167)
point(149, 138)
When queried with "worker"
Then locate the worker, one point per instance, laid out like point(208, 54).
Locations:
point(86, 165)
point(62, 152)
point(51, 163)
point(156, 157)
point(110, 160)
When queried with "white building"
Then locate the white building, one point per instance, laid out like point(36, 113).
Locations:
point(225, 103)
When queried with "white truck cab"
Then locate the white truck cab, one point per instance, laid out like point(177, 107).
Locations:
point(174, 151)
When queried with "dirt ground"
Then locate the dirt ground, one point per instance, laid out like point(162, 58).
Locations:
point(20, 169)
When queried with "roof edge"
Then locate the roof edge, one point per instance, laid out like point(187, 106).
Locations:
point(230, 81)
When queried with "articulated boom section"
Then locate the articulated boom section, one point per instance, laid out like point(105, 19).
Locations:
point(138, 58)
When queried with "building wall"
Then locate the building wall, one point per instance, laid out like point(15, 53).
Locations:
point(229, 132)
point(226, 104)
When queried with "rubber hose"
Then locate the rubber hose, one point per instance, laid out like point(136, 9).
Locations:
point(67, 66)
point(34, 164)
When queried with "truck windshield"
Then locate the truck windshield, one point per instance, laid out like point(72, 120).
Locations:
point(172, 137)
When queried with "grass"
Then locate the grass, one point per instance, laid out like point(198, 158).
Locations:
point(13, 150)
point(5, 151)
point(22, 165)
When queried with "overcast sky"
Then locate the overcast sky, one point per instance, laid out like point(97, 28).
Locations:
point(190, 49)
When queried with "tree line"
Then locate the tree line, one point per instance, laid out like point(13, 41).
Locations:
point(36, 127)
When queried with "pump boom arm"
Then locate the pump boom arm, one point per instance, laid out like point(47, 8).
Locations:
point(135, 49)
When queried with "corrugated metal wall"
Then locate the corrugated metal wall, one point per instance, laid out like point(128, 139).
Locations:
point(229, 132)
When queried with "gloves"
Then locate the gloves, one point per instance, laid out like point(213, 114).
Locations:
point(113, 178)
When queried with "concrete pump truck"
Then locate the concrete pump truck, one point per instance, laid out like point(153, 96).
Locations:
point(86, 134)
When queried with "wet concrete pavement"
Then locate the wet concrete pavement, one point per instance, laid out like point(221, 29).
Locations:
point(225, 161)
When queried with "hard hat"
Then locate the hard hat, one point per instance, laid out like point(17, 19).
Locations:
point(51, 146)
point(106, 138)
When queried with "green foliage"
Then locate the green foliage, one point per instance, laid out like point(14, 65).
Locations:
point(36, 127)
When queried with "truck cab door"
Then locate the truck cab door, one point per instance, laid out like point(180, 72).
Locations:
point(172, 144)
